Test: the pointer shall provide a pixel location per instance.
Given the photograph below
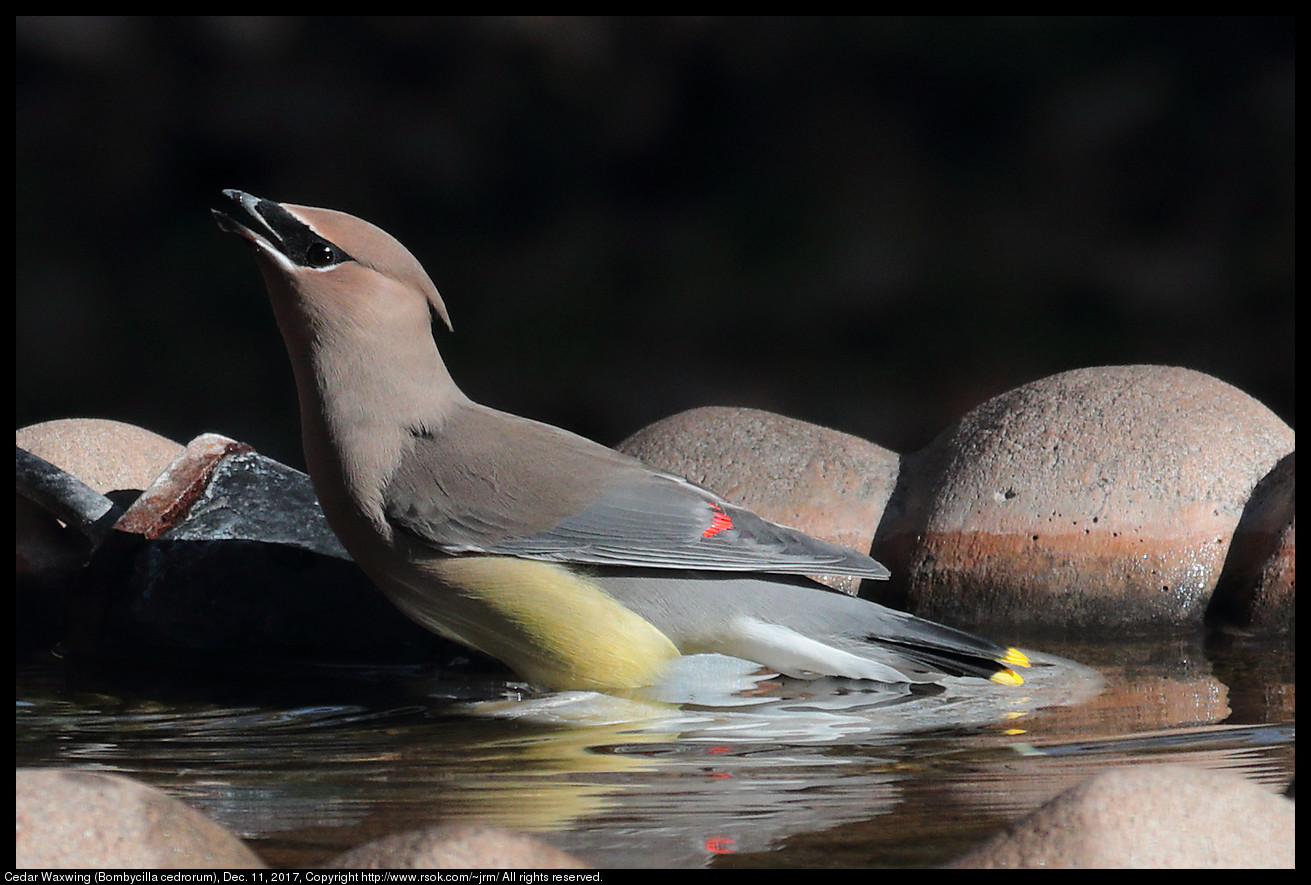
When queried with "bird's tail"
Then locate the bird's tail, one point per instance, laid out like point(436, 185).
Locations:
point(995, 663)
point(803, 629)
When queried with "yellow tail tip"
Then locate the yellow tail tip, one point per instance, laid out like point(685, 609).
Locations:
point(1014, 657)
point(1007, 677)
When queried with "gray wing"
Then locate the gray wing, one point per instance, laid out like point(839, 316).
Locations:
point(660, 521)
point(504, 485)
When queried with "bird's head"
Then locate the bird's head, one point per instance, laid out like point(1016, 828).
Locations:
point(319, 262)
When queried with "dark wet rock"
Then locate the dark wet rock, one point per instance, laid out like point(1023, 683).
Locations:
point(1258, 590)
point(225, 553)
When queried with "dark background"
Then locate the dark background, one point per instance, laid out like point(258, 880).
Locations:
point(870, 223)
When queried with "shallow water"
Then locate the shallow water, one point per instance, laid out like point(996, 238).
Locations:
point(306, 762)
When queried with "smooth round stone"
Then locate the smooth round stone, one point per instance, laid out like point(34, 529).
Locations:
point(106, 455)
point(456, 846)
point(1150, 816)
point(1102, 499)
point(69, 818)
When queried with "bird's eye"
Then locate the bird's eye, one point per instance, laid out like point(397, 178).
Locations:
point(319, 255)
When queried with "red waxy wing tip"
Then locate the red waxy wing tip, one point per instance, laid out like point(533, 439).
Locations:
point(718, 523)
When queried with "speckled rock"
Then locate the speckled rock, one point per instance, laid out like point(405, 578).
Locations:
point(1258, 590)
point(106, 455)
point(91, 820)
point(456, 846)
point(829, 484)
point(1101, 498)
point(1150, 816)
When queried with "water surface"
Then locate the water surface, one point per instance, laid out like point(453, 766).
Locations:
point(304, 762)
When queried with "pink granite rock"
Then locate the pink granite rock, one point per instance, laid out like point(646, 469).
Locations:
point(1150, 816)
point(91, 820)
point(456, 846)
point(1101, 498)
point(105, 455)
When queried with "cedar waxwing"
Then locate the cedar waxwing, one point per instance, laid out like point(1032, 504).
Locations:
point(577, 566)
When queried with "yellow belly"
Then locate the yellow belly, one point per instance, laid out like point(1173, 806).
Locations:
point(552, 626)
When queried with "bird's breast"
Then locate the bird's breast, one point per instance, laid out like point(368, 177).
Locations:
point(551, 624)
